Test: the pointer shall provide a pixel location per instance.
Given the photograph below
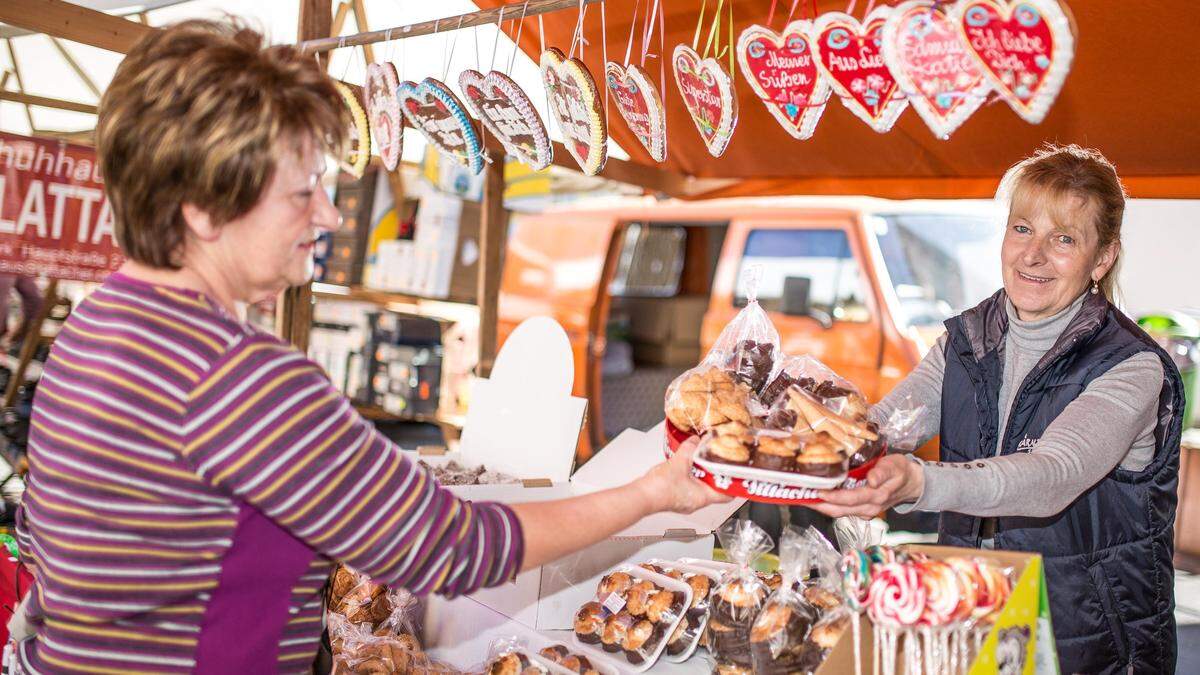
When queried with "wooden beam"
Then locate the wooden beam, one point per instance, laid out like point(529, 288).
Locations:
point(339, 18)
point(44, 102)
point(83, 77)
point(4, 79)
point(493, 226)
point(16, 70)
point(57, 18)
point(360, 20)
point(293, 320)
point(481, 18)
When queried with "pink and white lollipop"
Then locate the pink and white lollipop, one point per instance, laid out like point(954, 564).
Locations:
point(943, 592)
point(897, 596)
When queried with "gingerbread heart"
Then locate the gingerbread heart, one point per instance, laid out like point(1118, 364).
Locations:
point(500, 104)
point(707, 92)
point(781, 69)
point(640, 106)
point(387, 125)
point(926, 55)
point(358, 150)
point(437, 113)
point(849, 54)
point(1025, 49)
point(575, 104)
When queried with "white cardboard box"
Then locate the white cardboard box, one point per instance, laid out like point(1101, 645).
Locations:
point(547, 598)
point(524, 422)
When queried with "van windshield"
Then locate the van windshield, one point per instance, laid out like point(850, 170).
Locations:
point(939, 263)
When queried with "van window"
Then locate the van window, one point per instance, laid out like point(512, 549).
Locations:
point(650, 263)
point(822, 257)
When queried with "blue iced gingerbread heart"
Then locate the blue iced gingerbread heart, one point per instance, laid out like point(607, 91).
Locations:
point(443, 120)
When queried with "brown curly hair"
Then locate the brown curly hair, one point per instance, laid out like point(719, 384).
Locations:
point(199, 113)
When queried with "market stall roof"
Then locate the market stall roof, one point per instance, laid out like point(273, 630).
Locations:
point(1129, 94)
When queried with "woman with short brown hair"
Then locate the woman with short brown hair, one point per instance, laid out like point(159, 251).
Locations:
point(1059, 422)
point(192, 480)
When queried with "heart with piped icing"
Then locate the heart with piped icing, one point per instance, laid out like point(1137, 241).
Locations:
point(640, 105)
point(504, 108)
point(436, 112)
point(1025, 49)
point(931, 63)
point(850, 55)
point(576, 106)
point(782, 70)
point(387, 122)
point(707, 92)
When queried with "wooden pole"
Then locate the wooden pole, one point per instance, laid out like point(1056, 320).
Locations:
point(44, 102)
point(360, 20)
point(493, 226)
point(481, 18)
point(16, 71)
point(72, 22)
point(79, 72)
point(294, 318)
point(33, 337)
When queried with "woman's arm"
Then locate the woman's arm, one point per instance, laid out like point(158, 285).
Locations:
point(267, 427)
point(554, 529)
point(1091, 436)
point(923, 386)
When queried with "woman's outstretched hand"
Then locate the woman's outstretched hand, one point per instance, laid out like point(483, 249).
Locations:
point(670, 486)
point(894, 480)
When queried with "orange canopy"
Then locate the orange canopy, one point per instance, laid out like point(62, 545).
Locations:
point(1131, 93)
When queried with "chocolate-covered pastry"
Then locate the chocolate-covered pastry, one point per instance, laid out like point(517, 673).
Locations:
point(778, 637)
point(822, 598)
point(638, 597)
point(730, 449)
point(781, 419)
point(509, 664)
point(615, 582)
point(827, 633)
point(589, 622)
point(819, 457)
point(752, 363)
point(616, 627)
point(678, 640)
point(738, 601)
point(652, 567)
point(773, 580)
point(661, 606)
point(732, 669)
point(701, 584)
point(637, 640)
point(776, 453)
point(577, 664)
point(729, 645)
point(869, 450)
point(554, 653)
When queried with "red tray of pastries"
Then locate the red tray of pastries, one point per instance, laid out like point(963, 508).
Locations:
point(760, 490)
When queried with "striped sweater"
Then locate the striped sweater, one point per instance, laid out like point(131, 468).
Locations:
point(191, 479)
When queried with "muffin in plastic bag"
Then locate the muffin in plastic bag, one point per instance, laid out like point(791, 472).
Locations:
point(738, 597)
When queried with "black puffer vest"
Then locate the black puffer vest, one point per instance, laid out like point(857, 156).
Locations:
point(1107, 555)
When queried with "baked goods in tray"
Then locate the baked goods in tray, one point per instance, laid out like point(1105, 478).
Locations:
point(562, 656)
point(635, 614)
point(708, 397)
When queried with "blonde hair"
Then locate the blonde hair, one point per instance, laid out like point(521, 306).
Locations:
point(199, 113)
point(1058, 178)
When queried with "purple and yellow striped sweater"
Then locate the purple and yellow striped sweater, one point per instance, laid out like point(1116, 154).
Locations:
point(191, 480)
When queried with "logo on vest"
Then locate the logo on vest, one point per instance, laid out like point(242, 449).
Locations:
point(1027, 444)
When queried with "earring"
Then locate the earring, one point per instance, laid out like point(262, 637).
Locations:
point(1095, 287)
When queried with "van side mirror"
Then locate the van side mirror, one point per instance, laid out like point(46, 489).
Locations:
point(795, 301)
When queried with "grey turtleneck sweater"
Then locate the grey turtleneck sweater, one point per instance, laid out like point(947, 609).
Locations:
point(1111, 422)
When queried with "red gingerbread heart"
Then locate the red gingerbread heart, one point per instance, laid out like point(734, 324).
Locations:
point(1025, 49)
point(640, 106)
point(707, 91)
point(925, 53)
point(782, 71)
point(850, 55)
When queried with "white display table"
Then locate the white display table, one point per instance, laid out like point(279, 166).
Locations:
point(459, 632)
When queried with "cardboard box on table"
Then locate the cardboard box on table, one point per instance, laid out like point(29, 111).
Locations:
point(1021, 640)
point(524, 422)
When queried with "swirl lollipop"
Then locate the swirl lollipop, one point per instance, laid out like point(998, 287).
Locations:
point(943, 592)
point(994, 590)
point(897, 596)
point(856, 579)
point(968, 585)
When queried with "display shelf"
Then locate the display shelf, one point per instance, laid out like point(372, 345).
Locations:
point(373, 412)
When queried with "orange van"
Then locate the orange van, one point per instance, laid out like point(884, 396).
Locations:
point(644, 287)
